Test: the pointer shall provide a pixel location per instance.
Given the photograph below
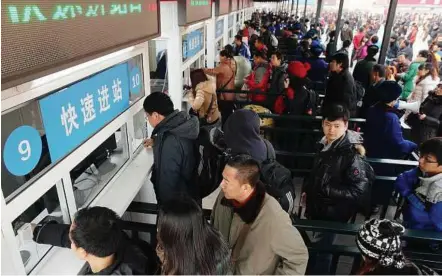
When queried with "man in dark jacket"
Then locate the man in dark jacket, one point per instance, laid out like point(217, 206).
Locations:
point(362, 71)
point(173, 139)
point(277, 79)
point(338, 184)
point(267, 39)
point(346, 32)
point(340, 85)
point(371, 96)
point(96, 237)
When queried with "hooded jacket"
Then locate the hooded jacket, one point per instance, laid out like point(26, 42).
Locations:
point(205, 94)
point(423, 208)
point(422, 130)
point(174, 156)
point(338, 183)
point(383, 134)
point(130, 259)
point(241, 135)
point(272, 246)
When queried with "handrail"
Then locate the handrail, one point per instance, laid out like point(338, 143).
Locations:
point(371, 160)
point(304, 118)
point(295, 130)
point(352, 229)
point(304, 224)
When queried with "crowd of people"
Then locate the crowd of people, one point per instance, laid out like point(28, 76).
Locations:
point(250, 230)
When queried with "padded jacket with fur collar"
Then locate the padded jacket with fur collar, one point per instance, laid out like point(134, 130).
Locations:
point(338, 183)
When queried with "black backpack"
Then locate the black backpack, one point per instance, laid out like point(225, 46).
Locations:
point(278, 180)
point(210, 165)
point(312, 101)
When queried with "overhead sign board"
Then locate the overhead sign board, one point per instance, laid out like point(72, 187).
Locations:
point(192, 43)
point(233, 5)
point(41, 37)
point(73, 114)
point(193, 11)
point(222, 7)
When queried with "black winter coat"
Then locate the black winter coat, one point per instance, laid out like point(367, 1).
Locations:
point(174, 155)
point(338, 183)
point(130, 259)
point(276, 84)
point(340, 90)
point(422, 130)
point(362, 71)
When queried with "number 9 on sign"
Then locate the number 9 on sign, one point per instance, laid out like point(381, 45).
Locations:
point(22, 150)
point(135, 80)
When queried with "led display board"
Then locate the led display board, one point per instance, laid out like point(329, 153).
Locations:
point(193, 11)
point(41, 37)
point(222, 7)
point(233, 5)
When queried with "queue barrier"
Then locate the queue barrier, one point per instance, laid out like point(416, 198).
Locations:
point(430, 258)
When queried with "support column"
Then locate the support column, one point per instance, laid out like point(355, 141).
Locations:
point(297, 6)
point(338, 22)
point(387, 32)
point(318, 11)
point(305, 8)
point(171, 31)
point(210, 39)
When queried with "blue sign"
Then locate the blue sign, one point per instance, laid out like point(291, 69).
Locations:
point(22, 150)
point(192, 43)
point(73, 114)
point(219, 28)
point(230, 22)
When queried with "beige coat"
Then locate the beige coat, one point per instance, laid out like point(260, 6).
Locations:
point(205, 91)
point(273, 245)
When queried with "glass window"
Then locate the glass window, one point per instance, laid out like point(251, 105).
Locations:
point(92, 174)
point(14, 179)
point(136, 63)
point(45, 208)
point(140, 129)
